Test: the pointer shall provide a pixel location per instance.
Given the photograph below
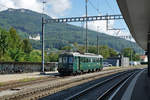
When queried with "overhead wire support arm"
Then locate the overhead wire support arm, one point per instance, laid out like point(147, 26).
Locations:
point(84, 19)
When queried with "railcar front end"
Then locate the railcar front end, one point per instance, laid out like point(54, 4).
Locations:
point(65, 64)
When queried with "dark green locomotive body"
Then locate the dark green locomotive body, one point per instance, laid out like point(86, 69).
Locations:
point(76, 63)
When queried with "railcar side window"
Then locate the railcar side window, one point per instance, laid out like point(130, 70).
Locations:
point(91, 59)
point(86, 59)
point(82, 59)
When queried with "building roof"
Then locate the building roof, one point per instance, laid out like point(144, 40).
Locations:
point(84, 55)
point(143, 57)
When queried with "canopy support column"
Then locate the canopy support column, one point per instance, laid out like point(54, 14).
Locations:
point(148, 53)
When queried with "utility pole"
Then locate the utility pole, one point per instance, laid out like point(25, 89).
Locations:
point(131, 55)
point(43, 47)
point(131, 52)
point(86, 44)
point(97, 41)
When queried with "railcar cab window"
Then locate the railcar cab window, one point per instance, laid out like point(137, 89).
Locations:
point(60, 60)
point(64, 59)
point(70, 59)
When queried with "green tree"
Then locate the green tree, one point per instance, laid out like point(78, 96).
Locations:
point(112, 52)
point(53, 57)
point(136, 57)
point(15, 45)
point(27, 47)
point(81, 49)
point(35, 56)
point(67, 48)
point(92, 49)
point(129, 52)
point(104, 51)
point(4, 42)
point(12, 48)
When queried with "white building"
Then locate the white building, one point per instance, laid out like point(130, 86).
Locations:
point(37, 38)
point(144, 58)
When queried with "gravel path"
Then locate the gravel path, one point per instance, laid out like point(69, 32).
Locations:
point(14, 77)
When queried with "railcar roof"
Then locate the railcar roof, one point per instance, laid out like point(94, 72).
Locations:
point(83, 55)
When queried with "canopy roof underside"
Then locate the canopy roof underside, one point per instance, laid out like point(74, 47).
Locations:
point(137, 16)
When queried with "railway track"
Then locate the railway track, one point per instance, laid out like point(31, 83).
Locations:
point(104, 93)
point(61, 84)
point(12, 85)
point(55, 85)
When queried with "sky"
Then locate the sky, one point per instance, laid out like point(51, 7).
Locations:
point(75, 8)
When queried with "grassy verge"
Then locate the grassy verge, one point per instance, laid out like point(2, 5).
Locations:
point(116, 67)
point(1, 84)
point(111, 68)
point(27, 79)
point(19, 81)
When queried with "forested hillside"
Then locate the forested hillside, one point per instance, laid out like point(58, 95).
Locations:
point(27, 23)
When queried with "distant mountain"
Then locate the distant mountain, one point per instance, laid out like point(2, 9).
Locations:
point(28, 22)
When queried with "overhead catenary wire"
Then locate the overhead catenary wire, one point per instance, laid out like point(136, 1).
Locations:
point(112, 10)
point(110, 7)
point(92, 5)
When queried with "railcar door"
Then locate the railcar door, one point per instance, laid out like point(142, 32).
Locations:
point(78, 63)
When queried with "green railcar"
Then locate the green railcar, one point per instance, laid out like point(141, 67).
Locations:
point(73, 62)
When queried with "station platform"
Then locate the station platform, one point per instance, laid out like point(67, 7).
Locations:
point(138, 88)
point(142, 88)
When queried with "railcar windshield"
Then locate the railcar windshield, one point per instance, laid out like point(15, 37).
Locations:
point(66, 59)
point(60, 59)
point(70, 59)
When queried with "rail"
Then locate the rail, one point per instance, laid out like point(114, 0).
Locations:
point(79, 94)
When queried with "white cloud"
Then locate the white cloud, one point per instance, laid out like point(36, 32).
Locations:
point(59, 6)
point(100, 26)
point(53, 7)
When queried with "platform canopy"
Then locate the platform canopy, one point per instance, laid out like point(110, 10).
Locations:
point(137, 16)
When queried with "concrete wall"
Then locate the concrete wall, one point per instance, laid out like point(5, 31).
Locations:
point(17, 67)
point(125, 62)
point(113, 62)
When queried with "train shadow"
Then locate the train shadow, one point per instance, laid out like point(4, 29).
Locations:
point(50, 74)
